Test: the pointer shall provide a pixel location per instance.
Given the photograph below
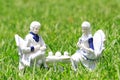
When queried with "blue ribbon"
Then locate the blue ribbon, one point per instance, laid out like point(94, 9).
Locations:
point(35, 36)
point(90, 41)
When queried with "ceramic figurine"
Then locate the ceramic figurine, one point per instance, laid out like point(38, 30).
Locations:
point(90, 47)
point(32, 48)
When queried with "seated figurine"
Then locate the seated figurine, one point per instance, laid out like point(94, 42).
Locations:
point(32, 49)
point(90, 48)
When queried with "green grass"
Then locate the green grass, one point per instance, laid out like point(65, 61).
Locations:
point(61, 27)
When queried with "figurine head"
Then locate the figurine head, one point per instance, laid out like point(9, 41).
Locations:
point(35, 26)
point(85, 27)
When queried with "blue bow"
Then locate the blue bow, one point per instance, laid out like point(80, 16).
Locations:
point(35, 36)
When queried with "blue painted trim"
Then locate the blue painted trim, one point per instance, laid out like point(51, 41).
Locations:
point(32, 48)
point(90, 41)
point(35, 36)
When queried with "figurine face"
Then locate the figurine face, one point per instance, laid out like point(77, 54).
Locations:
point(36, 30)
point(85, 30)
point(35, 26)
point(85, 27)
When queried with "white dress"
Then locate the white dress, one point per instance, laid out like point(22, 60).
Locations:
point(87, 58)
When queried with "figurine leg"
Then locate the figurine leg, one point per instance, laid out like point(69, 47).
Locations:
point(39, 56)
point(74, 65)
point(75, 59)
point(44, 61)
point(25, 60)
point(90, 65)
point(21, 66)
point(21, 69)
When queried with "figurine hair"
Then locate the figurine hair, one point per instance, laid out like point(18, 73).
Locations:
point(34, 24)
point(85, 24)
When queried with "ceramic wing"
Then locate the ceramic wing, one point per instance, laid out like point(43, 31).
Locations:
point(19, 43)
point(98, 41)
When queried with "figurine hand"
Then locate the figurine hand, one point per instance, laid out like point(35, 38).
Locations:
point(43, 48)
point(90, 50)
point(37, 47)
point(79, 45)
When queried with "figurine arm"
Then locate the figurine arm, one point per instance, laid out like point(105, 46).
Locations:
point(27, 48)
point(79, 43)
point(43, 48)
point(91, 46)
point(43, 45)
point(88, 49)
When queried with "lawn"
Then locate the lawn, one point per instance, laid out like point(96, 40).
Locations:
point(61, 28)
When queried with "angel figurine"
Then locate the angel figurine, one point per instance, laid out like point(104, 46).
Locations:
point(90, 48)
point(32, 48)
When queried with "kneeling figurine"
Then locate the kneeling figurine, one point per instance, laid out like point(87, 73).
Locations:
point(90, 48)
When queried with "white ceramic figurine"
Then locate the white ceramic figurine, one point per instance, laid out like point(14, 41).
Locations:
point(90, 48)
point(32, 49)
